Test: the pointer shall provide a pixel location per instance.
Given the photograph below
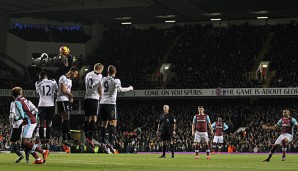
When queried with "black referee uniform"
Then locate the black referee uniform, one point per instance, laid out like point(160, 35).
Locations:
point(166, 122)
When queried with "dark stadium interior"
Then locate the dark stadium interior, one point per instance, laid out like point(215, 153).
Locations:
point(145, 11)
point(202, 56)
point(223, 55)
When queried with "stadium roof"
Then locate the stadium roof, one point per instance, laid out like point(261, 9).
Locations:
point(148, 11)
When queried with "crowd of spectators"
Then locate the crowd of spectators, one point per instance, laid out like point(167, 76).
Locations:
point(210, 57)
point(136, 53)
point(4, 132)
point(50, 33)
point(203, 57)
point(283, 55)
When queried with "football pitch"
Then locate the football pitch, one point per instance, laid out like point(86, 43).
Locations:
point(143, 162)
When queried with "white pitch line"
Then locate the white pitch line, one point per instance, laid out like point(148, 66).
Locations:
point(133, 164)
point(112, 163)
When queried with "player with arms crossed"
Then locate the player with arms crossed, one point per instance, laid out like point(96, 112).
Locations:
point(286, 124)
point(46, 89)
point(26, 111)
point(108, 113)
point(167, 127)
point(92, 97)
point(199, 130)
point(219, 127)
point(64, 100)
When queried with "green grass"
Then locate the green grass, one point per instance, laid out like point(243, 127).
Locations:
point(73, 162)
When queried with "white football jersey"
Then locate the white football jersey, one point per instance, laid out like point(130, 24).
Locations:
point(92, 91)
point(12, 115)
point(66, 81)
point(109, 90)
point(46, 90)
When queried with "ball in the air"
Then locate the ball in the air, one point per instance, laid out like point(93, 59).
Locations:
point(64, 51)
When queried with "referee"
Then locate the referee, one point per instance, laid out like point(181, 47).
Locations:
point(166, 128)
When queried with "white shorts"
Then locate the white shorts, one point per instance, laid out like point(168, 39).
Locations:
point(27, 130)
point(218, 139)
point(37, 132)
point(283, 136)
point(201, 136)
point(16, 124)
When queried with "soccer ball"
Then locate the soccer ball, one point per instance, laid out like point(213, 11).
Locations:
point(64, 51)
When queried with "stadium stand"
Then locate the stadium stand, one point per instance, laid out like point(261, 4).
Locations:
point(203, 57)
point(135, 53)
point(283, 56)
point(210, 57)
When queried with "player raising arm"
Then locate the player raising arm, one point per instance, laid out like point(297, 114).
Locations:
point(107, 108)
point(286, 124)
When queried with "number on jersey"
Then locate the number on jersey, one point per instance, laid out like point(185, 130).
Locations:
point(46, 90)
point(89, 83)
point(106, 86)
